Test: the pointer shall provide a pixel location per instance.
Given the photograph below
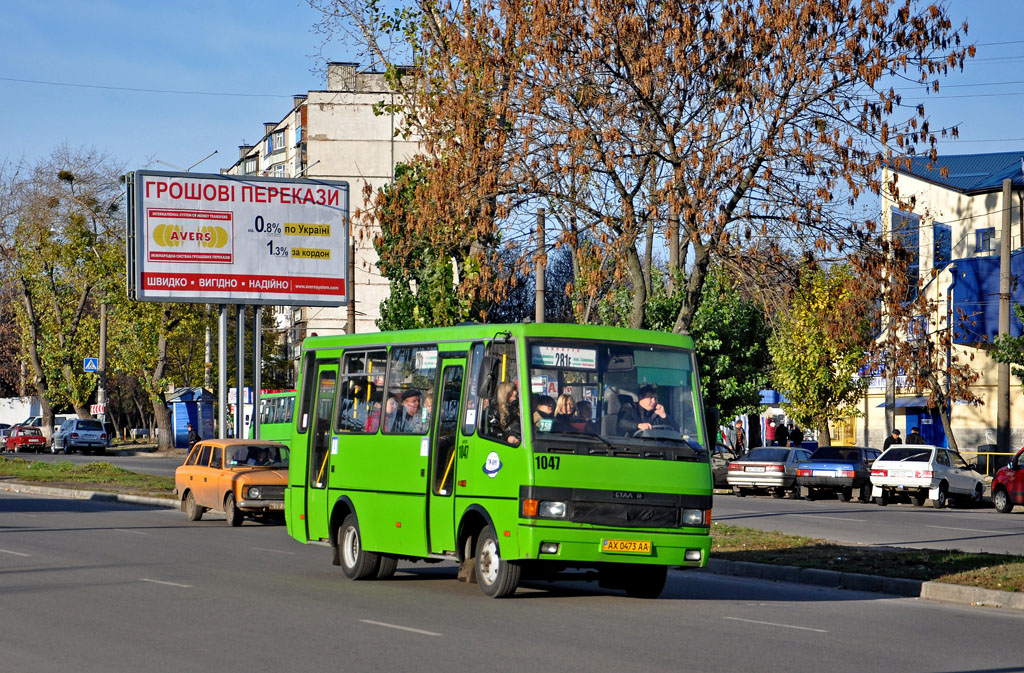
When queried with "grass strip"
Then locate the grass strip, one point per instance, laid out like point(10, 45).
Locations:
point(97, 476)
point(989, 571)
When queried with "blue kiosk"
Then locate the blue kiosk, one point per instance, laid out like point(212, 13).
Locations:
point(195, 406)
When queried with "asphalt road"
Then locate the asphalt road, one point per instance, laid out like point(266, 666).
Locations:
point(978, 529)
point(95, 587)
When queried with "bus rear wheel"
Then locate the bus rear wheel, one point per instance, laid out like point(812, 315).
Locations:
point(356, 562)
point(497, 577)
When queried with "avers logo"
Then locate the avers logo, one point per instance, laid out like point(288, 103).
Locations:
point(174, 235)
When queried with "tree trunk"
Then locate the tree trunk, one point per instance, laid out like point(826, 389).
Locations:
point(39, 383)
point(940, 394)
point(824, 435)
point(162, 414)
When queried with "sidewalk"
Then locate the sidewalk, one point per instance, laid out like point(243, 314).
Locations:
point(935, 591)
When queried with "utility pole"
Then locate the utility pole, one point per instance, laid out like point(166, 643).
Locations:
point(222, 372)
point(257, 369)
point(540, 264)
point(1003, 368)
point(101, 392)
point(350, 289)
point(239, 370)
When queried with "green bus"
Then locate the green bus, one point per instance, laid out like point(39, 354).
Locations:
point(276, 410)
point(417, 445)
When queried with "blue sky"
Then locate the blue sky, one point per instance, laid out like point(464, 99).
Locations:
point(264, 48)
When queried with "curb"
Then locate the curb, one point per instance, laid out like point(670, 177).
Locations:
point(933, 591)
point(79, 494)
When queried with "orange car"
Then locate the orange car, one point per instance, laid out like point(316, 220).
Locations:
point(240, 477)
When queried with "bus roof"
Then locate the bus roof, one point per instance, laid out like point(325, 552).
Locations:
point(478, 331)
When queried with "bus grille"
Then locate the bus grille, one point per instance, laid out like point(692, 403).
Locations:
point(625, 515)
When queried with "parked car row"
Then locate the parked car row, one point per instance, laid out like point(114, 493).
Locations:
point(72, 434)
point(905, 472)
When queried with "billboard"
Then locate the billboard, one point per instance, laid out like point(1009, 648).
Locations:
point(220, 239)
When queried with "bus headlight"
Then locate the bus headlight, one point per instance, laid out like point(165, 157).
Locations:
point(552, 508)
point(693, 517)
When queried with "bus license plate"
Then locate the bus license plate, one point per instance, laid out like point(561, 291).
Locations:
point(626, 546)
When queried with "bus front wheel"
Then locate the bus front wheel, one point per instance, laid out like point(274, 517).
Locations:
point(356, 562)
point(497, 577)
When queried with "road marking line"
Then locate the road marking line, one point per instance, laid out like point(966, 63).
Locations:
point(170, 584)
point(785, 626)
point(833, 518)
point(276, 551)
point(133, 532)
point(400, 628)
point(13, 553)
point(972, 530)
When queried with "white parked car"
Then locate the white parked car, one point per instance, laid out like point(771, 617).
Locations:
point(82, 434)
point(922, 471)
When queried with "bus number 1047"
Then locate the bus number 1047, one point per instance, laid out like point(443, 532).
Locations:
point(547, 462)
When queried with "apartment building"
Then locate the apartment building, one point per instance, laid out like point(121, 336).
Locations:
point(953, 224)
point(338, 133)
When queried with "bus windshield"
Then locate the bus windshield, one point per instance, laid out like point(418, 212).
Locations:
point(619, 393)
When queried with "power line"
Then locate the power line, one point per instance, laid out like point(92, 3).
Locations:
point(140, 90)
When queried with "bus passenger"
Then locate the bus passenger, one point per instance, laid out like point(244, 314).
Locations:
point(565, 408)
point(407, 417)
point(544, 409)
point(503, 414)
point(583, 421)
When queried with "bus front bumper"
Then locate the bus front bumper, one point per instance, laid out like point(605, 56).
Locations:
point(568, 544)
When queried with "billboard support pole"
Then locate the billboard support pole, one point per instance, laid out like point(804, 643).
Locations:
point(257, 368)
point(222, 372)
point(239, 369)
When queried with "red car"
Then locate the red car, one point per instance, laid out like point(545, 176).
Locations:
point(24, 438)
point(1008, 484)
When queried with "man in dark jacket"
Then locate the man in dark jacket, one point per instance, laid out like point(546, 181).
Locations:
point(894, 438)
point(643, 414)
point(915, 437)
point(193, 436)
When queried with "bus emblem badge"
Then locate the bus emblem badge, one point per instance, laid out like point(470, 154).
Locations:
point(492, 465)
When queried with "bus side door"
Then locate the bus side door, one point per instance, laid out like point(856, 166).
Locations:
point(445, 440)
point(318, 465)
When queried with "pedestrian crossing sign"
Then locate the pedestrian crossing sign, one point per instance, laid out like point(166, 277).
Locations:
point(91, 365)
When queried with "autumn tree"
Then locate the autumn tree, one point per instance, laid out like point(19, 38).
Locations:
point(819, 348)
point(62, 219)
point(698, 131)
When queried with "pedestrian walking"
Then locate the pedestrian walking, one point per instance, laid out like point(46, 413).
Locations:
point(894, 438)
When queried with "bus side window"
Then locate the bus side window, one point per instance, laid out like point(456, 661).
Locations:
point(362, 392)
point(500, 376)
point(473, 409)
point(308, 391)
point(411, 375)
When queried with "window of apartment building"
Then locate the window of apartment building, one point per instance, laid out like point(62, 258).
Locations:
point(275, 142)
point(906, 232)
point(298, 134)
point(250, 166)
point(984, 239)
point(943, 252)
point(277, 170)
